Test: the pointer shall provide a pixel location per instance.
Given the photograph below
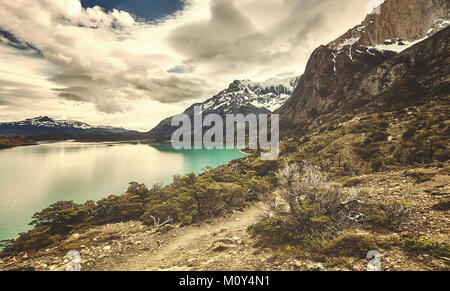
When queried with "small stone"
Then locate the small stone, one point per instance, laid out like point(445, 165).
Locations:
point(316, 267)
point(238, 239)
point(85, 252)
point(107, 248)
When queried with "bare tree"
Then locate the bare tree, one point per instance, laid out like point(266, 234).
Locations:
point(157, 224)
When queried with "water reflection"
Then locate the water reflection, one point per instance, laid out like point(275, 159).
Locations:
point(31, 178)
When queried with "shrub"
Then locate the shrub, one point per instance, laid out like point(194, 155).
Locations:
point(437, 249)
point(311, 201)
point(352, 182)
point(376, 165)
point(388, 215)
point(349, 245)
point(443, 205)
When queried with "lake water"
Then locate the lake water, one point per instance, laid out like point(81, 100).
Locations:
point(33, 177)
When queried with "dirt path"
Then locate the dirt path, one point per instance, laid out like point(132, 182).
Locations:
point(193, 247)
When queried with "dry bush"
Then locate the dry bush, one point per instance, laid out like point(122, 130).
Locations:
point(311, 202)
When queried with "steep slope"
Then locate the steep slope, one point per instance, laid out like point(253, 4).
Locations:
point(45, 125)
point(241, 96)
point(335, 72)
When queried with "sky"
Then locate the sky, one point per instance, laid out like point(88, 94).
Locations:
point(132, 63)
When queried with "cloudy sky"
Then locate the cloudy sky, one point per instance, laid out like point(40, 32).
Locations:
point(132, 63)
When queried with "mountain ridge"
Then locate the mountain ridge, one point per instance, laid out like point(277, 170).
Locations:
point(240, 97)
point(45, 125)
point(336, 73)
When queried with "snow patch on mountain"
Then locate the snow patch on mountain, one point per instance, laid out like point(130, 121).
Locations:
point(47, 125)
point(270, 94)
point(396, 46)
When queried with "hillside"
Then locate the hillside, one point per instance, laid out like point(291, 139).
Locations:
point(355, 68)
point(9, 142)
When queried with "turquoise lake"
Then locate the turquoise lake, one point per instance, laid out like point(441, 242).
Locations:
point(33, 177)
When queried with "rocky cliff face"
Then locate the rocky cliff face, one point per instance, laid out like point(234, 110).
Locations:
point(402, 21)
point(348, 70)
point(329, 79)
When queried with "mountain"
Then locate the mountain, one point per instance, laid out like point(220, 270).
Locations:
point(47, 126)
point(241, 96)
point(370, 59)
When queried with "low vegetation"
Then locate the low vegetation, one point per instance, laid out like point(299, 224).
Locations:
point(311, 213)
point(421, 245)
point(12, 141)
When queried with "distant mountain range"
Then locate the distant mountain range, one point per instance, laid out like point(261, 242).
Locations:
point(44, 125)
point(241, 97)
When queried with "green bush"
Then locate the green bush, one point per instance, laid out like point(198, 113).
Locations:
point(349, 245)
point(416, 244)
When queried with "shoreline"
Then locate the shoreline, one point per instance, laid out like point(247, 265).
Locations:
point(7, 142)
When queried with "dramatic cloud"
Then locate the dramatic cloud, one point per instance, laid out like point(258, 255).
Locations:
point(60, 59)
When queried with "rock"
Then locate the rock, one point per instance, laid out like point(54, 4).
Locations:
point(85, 252)
point(226, 240)
point(222, 244)
point(314, 267)
point(238, 240)
point(53, 268)
point(190, 262)
point(107, 248)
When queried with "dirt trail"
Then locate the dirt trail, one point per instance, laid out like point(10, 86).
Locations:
point(193, 247)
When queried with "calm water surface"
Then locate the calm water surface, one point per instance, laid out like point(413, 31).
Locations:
point(32, 178)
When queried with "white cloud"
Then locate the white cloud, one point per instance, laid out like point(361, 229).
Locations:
point(106, 67)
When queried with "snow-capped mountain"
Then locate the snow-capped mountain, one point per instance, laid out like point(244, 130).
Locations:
point(45, 125)
point(270, 95)
point(241, 96)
